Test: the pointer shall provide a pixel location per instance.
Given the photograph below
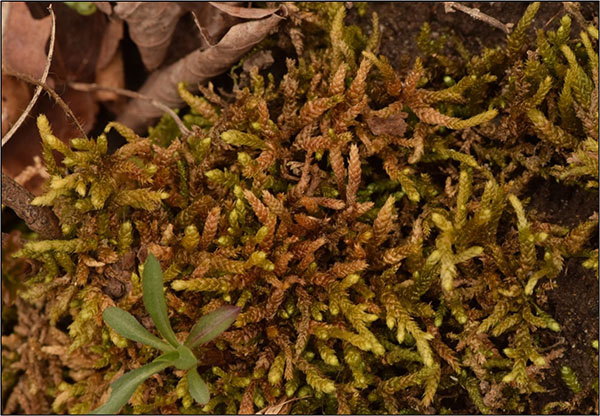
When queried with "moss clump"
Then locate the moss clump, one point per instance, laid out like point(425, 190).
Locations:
point(372, 227)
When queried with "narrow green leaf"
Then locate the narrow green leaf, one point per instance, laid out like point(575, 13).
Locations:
point(154, 299)
point(211, 325)
point(169, 357)
point(124, 387)
point(197, 387)
point(186, 359)
point(127, 326)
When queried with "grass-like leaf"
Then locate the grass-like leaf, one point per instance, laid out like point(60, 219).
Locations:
point(127, 326)
point(124, 387)
point(197, 387)
point(211, 325)
point(186, 359)
point(154, 299)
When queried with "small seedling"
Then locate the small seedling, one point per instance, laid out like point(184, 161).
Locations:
point(175, 354)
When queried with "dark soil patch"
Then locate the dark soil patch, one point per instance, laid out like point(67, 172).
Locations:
point(574, 303)
point(560, 204)
point(402, 21)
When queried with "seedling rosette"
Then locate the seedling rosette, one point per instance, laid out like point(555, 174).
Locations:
point(180, 356)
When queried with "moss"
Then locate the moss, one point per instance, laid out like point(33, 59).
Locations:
point(374, 231)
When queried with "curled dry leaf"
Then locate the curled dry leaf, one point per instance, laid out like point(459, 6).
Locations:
point(197, 67)
point(281, 408)
point(24, 40)
point(260, 60)
point(243, 12)
point(104, 7)
point(15, 97)
point(151, 26)
point(110, 43)
point(111, 75)
point(78, 44)
point(211, 22)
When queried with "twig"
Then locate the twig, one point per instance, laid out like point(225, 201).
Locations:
point(39, 219)
point(276, 408)
point(50, 91)
point(82, 86)
point(449, 7)
point(203, 31)
point(38, 90)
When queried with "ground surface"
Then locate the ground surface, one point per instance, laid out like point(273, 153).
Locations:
point(574, 300)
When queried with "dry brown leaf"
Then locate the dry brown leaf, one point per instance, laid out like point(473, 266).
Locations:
point(104, 7)
point(212, 22)
point(242, 12)
point(261, 60)
point(110, 43)
point(24, 40)
point(393, 125)
point(78, 43)
point(15, 97)
point(197, 67)
point(151, 26)
point(111, 75)
point(281, 408)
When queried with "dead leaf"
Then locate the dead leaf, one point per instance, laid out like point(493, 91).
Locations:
point(393, 125)
point(24, 40)
point(242, 12)
point(110, 43)
point(151, 26)
point(78, 44)
point(281, 408)
point(212, 22)
point(15, 97)
point(104, 7)
point(197, 67)
point(261, 60)
point(111, 75)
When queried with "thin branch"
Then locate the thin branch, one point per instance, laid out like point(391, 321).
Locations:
point(39, 219)
point(50, 91)
point(38, 90)
point(82, 86)
point(449, 7)
point(203, 31)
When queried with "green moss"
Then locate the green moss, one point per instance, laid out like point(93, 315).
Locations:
point(352, 213)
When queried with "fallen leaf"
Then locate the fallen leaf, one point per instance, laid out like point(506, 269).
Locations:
point(213, 23)
point(15, 97)
point(110, 43)
point(111, 75)
point(281, 408)
point(78, 43)
point(261, 60)
point(24, 40)
point(151, 26)
point(197, 67)
point(243, 12)
point(104, 7)
point(393, 125)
